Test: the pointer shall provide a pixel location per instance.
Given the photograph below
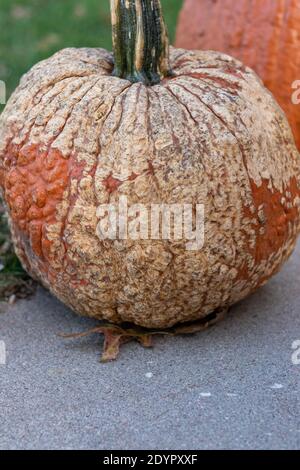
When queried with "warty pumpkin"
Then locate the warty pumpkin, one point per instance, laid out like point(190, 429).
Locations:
point(264, 34)
point(157, 125)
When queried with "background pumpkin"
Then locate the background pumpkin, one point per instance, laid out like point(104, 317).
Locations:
point(264, 34)
point(73, 137)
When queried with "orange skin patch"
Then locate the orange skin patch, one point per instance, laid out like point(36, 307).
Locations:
point(279, 211)
point(111, 184)
point(34, 183)
point(274, 211)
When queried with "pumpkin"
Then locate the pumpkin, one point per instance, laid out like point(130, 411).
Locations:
point(265, 35)
point(149, 125)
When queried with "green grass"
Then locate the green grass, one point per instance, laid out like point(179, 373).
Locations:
point(32, 30)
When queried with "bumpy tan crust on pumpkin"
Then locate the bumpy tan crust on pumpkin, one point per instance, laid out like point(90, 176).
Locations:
point(72, 137)
point(264, 34)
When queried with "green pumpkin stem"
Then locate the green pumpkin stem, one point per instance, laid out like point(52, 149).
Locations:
point(140, 41)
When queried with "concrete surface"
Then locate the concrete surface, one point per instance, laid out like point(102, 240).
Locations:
point(232, 387)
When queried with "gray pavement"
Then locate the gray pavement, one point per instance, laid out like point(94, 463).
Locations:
point(232, 387)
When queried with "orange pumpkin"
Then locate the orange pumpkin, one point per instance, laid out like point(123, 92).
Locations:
point(264, 34)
